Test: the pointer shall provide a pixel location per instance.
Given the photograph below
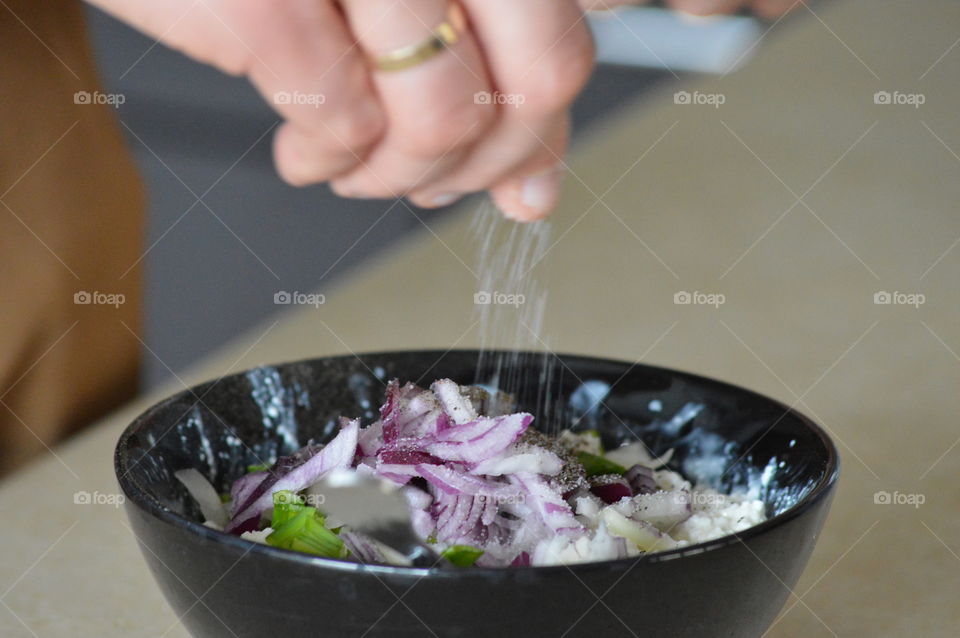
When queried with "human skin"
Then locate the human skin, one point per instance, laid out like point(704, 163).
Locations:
point(419, 133)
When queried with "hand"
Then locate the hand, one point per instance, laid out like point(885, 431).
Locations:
point(490, 113)
point(421, 132)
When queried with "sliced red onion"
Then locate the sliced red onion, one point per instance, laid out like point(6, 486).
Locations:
point(370, 439)
point(410, 412)
point(610, 488)
point(451, 481)
point(534, 460)
point(479, 440)
point(205, 495)
point(338, 453)
point(420, 519)
point(547, 502)
point(416, 498)
point(399, 474)
point(522, 560)
point(641, 480)
point(244, 486)
point(407, 457)
point(458, 407)
point(371, 551)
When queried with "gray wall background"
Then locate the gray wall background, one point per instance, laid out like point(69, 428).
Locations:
point(212, 267)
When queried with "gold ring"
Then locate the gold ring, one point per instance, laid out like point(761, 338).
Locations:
point(444, 35)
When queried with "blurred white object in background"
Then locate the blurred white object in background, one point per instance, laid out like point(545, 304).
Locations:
point(660, 38)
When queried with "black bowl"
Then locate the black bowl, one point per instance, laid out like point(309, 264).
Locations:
point(221, 585)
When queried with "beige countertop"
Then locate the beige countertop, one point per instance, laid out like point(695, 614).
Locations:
point(797, 199)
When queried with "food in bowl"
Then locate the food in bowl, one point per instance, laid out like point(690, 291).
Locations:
point(483, 488)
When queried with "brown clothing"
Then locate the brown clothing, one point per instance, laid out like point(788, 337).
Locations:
point(71, 221)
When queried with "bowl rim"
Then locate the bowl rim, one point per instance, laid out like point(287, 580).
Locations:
point(145, 501)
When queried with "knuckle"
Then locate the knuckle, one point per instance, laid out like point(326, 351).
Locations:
point(436, 134)
point(355, 129)
point(559, 77)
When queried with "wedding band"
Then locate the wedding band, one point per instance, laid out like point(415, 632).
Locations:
point(444, 35)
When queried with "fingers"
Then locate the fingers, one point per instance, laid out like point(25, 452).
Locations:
point(431, 108)
point(306, 65)
point(540, 55)
point(534, 194)
point(706, 7)
point(301, 57)
point(770, 9)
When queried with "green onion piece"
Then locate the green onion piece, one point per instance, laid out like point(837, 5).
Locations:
point(225, 497)
point(300, 527)
point(462, 555)
point(286, 505)
point(286, 497)
point(314, 538)
point(597, 465)
point(258, 468)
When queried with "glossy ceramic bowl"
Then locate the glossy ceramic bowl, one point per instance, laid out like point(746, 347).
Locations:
point(222, 585)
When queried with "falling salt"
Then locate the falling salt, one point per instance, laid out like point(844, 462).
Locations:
point(511, 306)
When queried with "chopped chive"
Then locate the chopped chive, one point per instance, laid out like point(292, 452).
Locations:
point(286, 505)
point(258, 468)
point(300, 527)
point(462, 555)
point(596, 465)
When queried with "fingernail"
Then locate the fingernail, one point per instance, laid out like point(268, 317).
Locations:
point(540, 192)
point(445, 200)
point(341, 189)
